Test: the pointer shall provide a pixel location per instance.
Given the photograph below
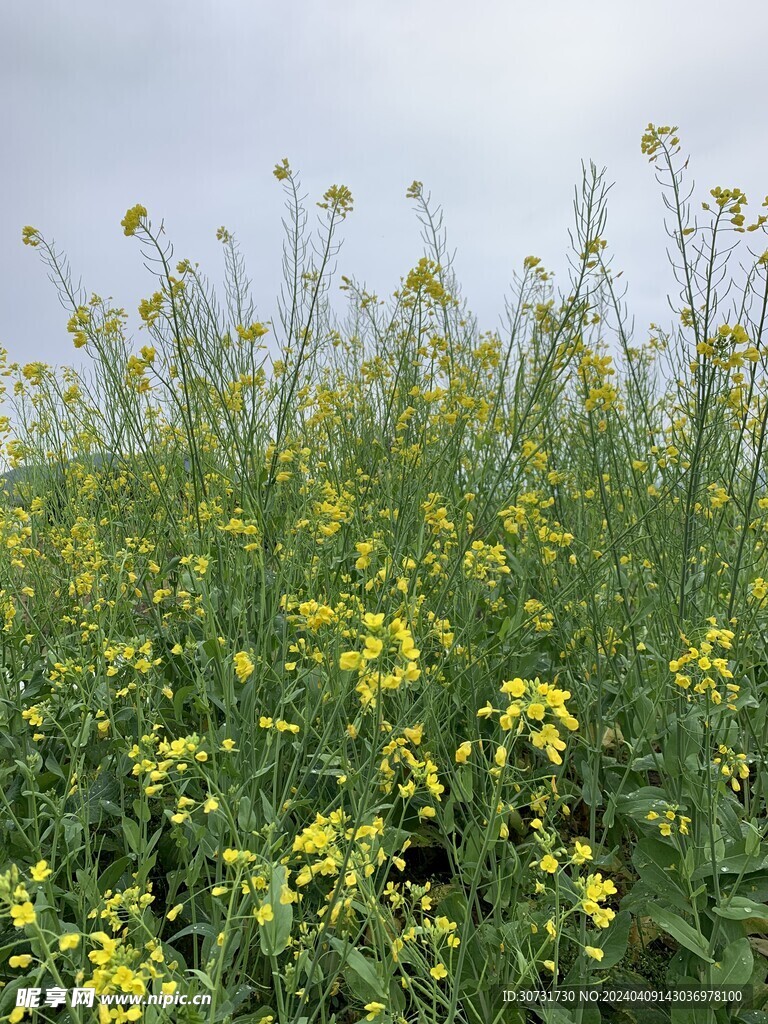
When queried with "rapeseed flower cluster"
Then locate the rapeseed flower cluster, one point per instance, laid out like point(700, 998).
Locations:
point(705, 670)
point(537, 710)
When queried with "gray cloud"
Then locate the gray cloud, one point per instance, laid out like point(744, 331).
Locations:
point(185, 107)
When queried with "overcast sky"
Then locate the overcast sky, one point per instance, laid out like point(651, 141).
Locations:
point(186, 105)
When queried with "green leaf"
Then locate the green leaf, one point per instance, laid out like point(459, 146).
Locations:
point(734, 965)
point(109, 878)
point(199, 928)
point(275, 934)
point(132, 834)
point(736, 863)
point(681, 931)
point(463, 784)
point(685, 1015)
point(739, 908)
point(614, 942)
point(180, 699)
point(752, 839)
point(658, 866)
point(105, 790)
point(639, 802)
point(246, 816)
point(360, 973)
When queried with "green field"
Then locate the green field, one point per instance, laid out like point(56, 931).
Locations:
point(358, 664)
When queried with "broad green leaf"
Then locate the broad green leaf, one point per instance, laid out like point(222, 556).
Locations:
point(734, 965)
point(658, 865)
point(680, 930)
point(613, 941)
point(739, 908)
point(109, 878)
point(275, 934)
point(638, 802)
point(360, 973)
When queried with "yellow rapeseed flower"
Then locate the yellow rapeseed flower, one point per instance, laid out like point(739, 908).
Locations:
point(22, 914)
point(133, 218)
point(40, 871)
point(465, 749)
point(244, 667)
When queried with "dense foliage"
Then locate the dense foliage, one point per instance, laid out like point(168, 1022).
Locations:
point(356, 664)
